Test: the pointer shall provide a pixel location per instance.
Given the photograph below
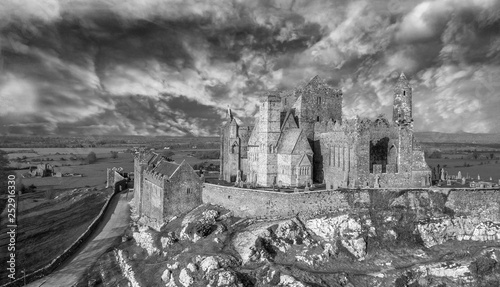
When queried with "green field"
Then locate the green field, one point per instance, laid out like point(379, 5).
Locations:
point(94, 175)
point(186, 155)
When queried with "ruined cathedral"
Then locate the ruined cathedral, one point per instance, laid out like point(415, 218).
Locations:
point(300, 137)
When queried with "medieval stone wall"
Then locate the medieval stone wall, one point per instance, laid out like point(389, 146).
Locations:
point(138, 170)
point(250, 203)
point(484, 204)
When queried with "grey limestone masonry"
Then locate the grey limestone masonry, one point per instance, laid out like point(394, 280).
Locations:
point(163, 189)
point(251, 203)
point(261, 204)
point(301, 136)
point(113, 177)
point(484, 204)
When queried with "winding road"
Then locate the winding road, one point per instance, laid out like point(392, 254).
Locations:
point(116, 220)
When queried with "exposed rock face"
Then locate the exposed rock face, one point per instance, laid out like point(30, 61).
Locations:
point(244, 242)
point(196, 225)
point(145, 240)
point(259, 242)
point(218, 270)
point(439, 230)
point(486, 231)
point(185, 278)
point(457, 272)
point(166, 276)
point(227, 278)
point(126, 268)
point(168, 240)
point(344, 228)
point(289, 281)
point(211, 263)
point(317, 251)
point(210, 215)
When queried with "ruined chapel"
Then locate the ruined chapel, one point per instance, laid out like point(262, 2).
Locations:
point(300, 137)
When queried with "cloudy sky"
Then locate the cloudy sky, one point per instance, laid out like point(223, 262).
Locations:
point(172, 67)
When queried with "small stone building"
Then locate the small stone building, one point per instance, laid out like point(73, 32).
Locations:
point(116, 179)
point(164, 189)
point(42, 170)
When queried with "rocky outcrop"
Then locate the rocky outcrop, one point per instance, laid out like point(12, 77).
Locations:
point(218, 270)
point(168, 240)
point(439, 230)
point(145, 240)
point(290, 281)
point(185, 278)
point(346, 229)
point(126, 268)
point(198, 224)
point(212, 263)
point(323, 251)
point(259, 242)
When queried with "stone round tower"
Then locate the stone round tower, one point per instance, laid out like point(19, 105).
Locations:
point(402, 109)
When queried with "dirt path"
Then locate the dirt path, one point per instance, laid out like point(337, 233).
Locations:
point(109, 230)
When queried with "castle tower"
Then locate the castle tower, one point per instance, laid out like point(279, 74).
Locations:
point(402, 108)
point(270, 120)
point(402, 116)
point(230, 149)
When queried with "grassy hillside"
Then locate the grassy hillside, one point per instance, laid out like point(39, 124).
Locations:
point(48, 223)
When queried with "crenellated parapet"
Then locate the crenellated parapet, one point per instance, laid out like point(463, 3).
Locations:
point(155, 177)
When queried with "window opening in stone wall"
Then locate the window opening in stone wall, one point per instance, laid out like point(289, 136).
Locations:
point(338, 156)
point(188, 190)
point(317, 118)
point(333, 156)
point(378, 153)
point(404, 93)
point(343, 159)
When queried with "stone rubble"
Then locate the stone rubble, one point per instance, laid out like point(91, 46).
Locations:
point(126, 268)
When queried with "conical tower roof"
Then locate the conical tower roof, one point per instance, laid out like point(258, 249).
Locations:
point(403, 82)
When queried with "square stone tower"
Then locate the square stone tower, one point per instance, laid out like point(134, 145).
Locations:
point(269, 133)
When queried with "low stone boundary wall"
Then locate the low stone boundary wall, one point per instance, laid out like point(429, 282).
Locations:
point(49, 268)
point(262, 204)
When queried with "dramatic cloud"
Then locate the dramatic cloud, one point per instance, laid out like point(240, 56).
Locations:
point(155, 67)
